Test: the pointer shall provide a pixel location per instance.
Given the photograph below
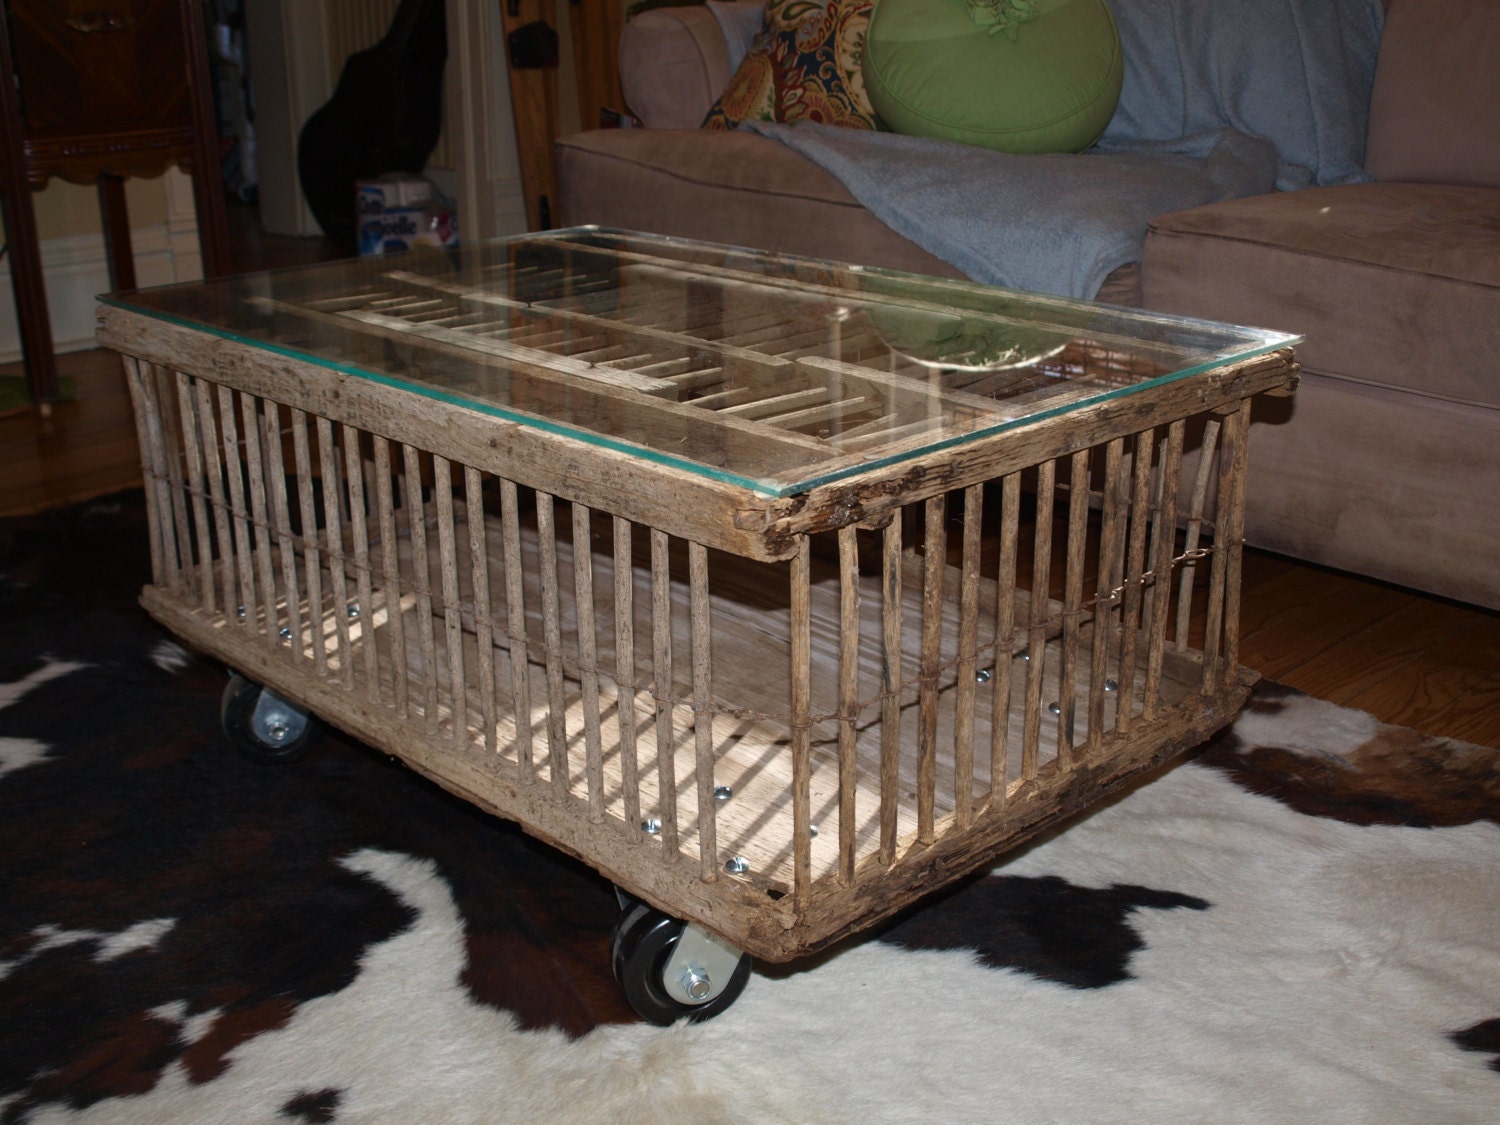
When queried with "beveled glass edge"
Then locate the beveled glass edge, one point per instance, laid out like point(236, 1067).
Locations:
point(1265, 342)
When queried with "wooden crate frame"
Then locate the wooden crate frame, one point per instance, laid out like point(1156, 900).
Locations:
point(834, 659)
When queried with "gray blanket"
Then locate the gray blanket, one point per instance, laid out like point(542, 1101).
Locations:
point(1221, 99)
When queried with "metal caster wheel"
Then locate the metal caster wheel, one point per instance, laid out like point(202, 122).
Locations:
point(670, 969)
point(264, 727)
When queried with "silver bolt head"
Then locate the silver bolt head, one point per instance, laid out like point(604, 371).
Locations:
point(722, 792)
point(277, 732)
point(737, 865)
point(1111, 685)
point(812, 829)
point(286, 632)
point(239, 611)
point(696, 984)
point(353, 611)
point(983, 675)
point(1055, 708)
point(651, 826)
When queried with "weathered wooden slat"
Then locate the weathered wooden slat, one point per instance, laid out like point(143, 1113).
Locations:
point(312, 563)
point(661, 667)
point(848, 698)
point(363, 584)
point(1005, 614)
point(515, 606)
point(586, 616)
point(442, 473)
point(414, 505)
point(1164, 533)
point(557, 710)
point(625, 670)
point(968, 657)
point(701, 618)
point(390, 576)
point(891, 686)
point(235, 459)
point(214, 470)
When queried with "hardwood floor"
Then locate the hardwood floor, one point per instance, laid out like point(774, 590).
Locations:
point(1406, 658)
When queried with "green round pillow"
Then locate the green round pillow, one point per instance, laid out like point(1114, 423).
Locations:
point(1012, 75)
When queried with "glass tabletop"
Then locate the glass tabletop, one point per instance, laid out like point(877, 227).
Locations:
point(773, 372)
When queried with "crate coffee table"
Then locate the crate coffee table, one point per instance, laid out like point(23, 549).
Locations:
point(778, 591)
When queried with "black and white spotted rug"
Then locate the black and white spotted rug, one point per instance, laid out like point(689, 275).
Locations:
point(1302, 924)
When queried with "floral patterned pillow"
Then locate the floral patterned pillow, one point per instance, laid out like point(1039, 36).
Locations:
point(804, 66)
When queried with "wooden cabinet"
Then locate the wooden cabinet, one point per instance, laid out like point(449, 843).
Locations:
point(94, 91)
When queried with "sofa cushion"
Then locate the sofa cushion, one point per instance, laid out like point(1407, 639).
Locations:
point(743, 189)
point(1396, 285)
point(803, 67)
point(1435, 109)
point(1047, 82)
point(673, 63)
point(733, 187)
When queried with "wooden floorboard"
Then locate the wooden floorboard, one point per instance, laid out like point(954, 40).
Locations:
point(1406, 658)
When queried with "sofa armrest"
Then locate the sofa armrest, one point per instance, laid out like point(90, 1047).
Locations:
point(674, 63)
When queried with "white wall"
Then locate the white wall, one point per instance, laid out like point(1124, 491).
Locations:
point(77, 269)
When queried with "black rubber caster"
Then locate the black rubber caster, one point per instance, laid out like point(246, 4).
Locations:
point(666, 980)
point(264, 727)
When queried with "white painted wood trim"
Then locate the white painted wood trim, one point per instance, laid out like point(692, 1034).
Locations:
point(77, 270)
point(491, 200)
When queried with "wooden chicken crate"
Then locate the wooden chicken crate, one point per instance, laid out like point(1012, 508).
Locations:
point(701, 565)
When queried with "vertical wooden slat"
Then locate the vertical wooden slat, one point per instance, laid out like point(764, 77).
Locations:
point(625, 675)
point(801, 697)
point(453, 626)
point(968, 657)
point(148, 435)
point(1106, 588)
point(848, 702)
point(1036, 651)
point(275, 462)
point(390, 579)
point(661, 656)
point(588, 659)
point(1078, 511)
point(214, 467)
point(172, 447)
point(557, 704)
point(703, 710)
point(890, 686)
point(187, 409)
point(333, 539)
point(484, 626)
point(359, 532)
point(1133, 625)
point(934, 561)
point(1231, 537)
point(1206, 460)
point(1005, 625)
point(312, 564)
point(234, 464)
point(421, 576)
point(260, 516)
point(515, 609)
point(1164, 540)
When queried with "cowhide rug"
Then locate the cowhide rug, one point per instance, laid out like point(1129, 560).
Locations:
point(1303, 924)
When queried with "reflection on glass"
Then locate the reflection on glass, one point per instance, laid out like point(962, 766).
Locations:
point(774, 372)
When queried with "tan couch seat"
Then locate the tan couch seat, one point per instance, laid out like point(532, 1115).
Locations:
point(1361, 269)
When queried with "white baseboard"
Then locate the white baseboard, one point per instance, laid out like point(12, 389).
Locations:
point(77, 270)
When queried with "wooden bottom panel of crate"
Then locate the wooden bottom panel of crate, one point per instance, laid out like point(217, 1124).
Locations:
point(544, 734)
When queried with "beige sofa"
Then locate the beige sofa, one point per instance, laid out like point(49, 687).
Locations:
point(1387, 463)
